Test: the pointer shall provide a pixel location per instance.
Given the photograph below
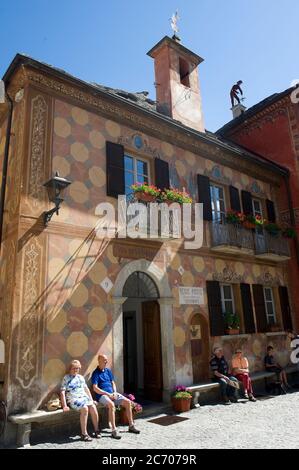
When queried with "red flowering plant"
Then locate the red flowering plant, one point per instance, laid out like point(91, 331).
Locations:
point(136, 407)
point(181, 391)
point(146, 188)
point(174, 195)
point(255, 220)
point(234, 217)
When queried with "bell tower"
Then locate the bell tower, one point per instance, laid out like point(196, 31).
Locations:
point(177, 82)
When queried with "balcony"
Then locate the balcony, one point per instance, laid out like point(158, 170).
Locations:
point(153, 223)
point(271, 248)
point(231, 238)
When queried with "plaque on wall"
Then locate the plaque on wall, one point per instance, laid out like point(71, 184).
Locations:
point(191, 296)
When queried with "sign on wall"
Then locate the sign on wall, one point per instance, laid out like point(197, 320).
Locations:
point(191, 296)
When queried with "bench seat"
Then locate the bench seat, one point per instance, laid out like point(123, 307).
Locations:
point(196, 389)
point(24, 421)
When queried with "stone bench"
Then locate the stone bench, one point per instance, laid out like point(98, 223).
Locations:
point(25, 420)
point(196, 389)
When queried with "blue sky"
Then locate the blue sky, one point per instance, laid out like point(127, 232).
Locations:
point(106, 42)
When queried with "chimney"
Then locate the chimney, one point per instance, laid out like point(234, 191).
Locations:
point(238, 109)
point(177, 83)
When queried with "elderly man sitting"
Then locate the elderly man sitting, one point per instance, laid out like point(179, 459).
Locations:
point(220, 370)
point(105, 390)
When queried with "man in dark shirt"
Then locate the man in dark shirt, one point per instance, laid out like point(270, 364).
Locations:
point(105, 389)
point(272, 366)
point(220, 370)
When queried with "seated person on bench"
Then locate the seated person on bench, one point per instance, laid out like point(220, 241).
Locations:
point(240, 368)
point(220, 370)
point(272, 366)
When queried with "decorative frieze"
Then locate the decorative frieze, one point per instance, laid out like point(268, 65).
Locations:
point(37, 148)
point(139, 143)
point(228, 275)
point(217, 174)
point(266, 279)
point(30, 320)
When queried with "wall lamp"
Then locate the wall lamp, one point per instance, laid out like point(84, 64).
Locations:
point(55, 187)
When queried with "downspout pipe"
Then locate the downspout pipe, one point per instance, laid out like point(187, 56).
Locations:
point(292, 213)
point(5, 164)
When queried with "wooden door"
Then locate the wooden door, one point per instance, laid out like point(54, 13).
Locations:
point(199, 337)
point(153, 377)
point(130, 352)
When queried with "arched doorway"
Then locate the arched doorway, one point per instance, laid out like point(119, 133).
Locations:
point(142, 354)
point(200, 350)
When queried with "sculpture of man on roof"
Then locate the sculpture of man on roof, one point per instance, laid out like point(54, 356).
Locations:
point(236, 89)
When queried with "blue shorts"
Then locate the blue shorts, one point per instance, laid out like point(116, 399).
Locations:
point(104, 400)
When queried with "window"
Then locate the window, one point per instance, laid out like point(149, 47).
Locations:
point(184, 72)
point(136, 171)
point(217, 203)
point(257, 207)
point(257, 210)
point(227, 298)
point(269, 304)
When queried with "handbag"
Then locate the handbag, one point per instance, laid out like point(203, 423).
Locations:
point(54, 403)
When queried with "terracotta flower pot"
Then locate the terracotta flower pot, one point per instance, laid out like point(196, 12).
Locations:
point(181, 404)
point(232, 331)
point(141, 196)
point(248, 225)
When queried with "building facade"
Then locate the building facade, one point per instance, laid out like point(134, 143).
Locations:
point(67, 293)
point(271, 128)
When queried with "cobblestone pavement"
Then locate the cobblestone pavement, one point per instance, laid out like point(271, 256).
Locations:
point(268, 423)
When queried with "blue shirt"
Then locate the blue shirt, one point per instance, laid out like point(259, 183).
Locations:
point(102, 379)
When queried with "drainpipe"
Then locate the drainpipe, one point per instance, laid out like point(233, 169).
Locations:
point(292, 213)
point(5, 165)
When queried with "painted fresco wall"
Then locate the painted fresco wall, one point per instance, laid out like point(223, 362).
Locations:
point(78, 310)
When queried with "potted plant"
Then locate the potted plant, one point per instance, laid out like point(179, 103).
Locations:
point(272, 228)
point(289, 232)
point(181, 399)
point(249, 221)
point(136, 409)
point(174, 195)
point(145, 192)
point(232, 323)
point(233, 217)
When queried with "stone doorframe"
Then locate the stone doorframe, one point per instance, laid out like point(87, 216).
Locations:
point(166, 301)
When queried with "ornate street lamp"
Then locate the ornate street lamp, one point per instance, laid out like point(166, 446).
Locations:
point(55, 187)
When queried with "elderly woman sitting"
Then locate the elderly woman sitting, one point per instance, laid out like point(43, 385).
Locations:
point(240, 368)
point(76, 395)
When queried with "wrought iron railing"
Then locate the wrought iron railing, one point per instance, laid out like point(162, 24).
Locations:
point(266, 243)
point(231, 235)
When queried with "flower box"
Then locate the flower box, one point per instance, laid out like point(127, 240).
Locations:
point(145, 197)
point(232, 331)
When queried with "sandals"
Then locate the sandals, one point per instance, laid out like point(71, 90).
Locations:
point(97, 434)
point(86, 438)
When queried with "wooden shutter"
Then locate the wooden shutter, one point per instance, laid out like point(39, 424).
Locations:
point(215, 308)
point(260, 309)
point(162, 173)
point(285, 308)
point(270, 211)
point(234, 199)
point(115, 170)
point(247, 308)
point(204, 196)
point(247, 202)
